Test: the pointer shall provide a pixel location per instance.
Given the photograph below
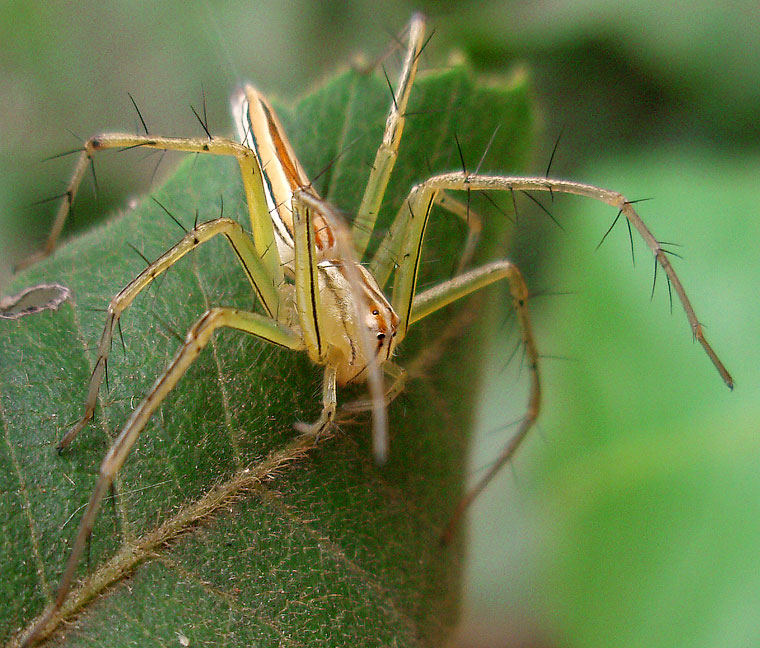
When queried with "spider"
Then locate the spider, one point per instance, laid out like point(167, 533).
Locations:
point(304, 264)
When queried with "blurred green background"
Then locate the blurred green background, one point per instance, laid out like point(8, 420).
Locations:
point(632, 516)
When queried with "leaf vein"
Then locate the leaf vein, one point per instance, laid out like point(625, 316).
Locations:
point(23, 490)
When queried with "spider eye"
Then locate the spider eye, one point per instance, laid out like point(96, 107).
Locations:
point(381, 336)
point(376, 312)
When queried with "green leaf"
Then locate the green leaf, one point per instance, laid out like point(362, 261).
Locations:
point(265, 544)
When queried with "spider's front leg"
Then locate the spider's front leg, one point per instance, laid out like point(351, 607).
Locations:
point(385, 158)
point(258, 210)
point(407, 229)
point(346, 321)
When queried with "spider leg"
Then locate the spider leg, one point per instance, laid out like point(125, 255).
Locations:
point(388, 255)
point(385, 158)
point(197, 338)
point(450, 291)
point(245, 252)
point(404, 244)
point(261, 224)
point(416, 209)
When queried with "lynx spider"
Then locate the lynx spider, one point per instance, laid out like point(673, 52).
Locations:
point(303, 264)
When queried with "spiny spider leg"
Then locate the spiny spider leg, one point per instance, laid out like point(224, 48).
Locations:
point(253, 270)
point(252, 183)
point(402, 247)
point(402, 241)
point(364, 223)
point(197, 338)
